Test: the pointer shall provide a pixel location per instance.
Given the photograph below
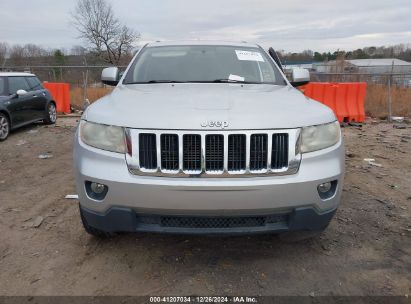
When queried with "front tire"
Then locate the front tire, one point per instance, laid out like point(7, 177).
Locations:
point(94, 231)
point(4, 127)
point(51, 114)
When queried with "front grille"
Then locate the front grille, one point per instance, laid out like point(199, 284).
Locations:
point(258, 152)
point(223, 153)
point(214, 153)
point(148, 151)
point(169, 152)
point(210, 222)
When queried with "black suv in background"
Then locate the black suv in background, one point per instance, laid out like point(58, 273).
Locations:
point(23, 100)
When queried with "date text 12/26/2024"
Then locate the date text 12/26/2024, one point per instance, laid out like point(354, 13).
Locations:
point(203, 299)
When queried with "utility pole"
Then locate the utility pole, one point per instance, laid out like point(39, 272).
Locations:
point(85, 82)
point(389, 93)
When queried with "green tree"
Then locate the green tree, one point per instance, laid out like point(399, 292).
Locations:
point(59, 60)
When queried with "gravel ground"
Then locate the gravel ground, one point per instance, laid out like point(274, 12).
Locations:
point(45, 251)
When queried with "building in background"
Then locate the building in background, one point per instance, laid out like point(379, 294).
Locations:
point(366, 66)
point(370, 70)
point(289, 64)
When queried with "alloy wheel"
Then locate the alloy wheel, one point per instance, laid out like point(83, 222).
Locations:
point(52, 113)
point(4, 127)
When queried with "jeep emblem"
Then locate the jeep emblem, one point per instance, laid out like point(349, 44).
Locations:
point(215, 124)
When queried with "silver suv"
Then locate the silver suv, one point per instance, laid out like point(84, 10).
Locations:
point(207, 137)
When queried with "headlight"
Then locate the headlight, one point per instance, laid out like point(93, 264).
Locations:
point(320, 137)
point(103, 137)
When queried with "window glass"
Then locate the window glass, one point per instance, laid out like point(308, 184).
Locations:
point(18, 83)
point(2, 86)
point(34, 83)
point(204, 63)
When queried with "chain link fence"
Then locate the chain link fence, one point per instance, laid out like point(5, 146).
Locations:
point(85, 81)
point(388, 94)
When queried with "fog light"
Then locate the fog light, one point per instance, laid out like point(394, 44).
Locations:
point(96, 191)
point(324, 188)
point(97, 188)
point(327, 190)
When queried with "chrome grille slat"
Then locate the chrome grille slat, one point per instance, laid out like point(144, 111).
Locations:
point(214, 153)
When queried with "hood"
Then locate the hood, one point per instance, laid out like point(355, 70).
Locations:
point(188, 106)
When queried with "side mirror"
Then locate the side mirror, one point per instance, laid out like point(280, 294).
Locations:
point(299, 77)
point(21, 92)
point(110, 76)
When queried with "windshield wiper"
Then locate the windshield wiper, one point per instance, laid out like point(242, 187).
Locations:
point(164, 81)
point(228, 80)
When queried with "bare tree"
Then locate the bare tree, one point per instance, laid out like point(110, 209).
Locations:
point(4, 48)
point(17, 55)
point(103, 32)
point(78, 50)
point(33, 50)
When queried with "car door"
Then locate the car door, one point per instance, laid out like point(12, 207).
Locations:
point(39, 100)
point(20, 107)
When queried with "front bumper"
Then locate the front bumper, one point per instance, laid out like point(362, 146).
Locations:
point(130, 196)
point(127, 220)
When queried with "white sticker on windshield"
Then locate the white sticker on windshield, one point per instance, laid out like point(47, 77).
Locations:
point(235, 78)
point(250, 56)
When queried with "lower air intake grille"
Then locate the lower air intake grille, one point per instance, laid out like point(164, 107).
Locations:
point(210, 222)
point(193, 222)
point(148, 151)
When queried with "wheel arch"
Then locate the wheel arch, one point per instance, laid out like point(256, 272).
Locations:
point(53, 102)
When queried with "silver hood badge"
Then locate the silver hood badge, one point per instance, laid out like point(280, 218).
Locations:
point(215, 124)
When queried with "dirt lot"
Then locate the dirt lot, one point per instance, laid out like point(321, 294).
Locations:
point(45, 251)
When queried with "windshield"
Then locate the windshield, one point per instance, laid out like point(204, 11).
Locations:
point(203, 64)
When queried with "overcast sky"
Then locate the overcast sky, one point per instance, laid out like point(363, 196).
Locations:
point(290, 25)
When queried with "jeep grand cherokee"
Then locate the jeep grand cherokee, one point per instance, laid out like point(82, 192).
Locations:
point(207, 137)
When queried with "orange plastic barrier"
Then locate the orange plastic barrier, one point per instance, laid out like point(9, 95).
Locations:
point(61, 95)
point(345, 99)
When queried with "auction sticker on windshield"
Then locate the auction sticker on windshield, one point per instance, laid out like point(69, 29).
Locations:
point(248, 55)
